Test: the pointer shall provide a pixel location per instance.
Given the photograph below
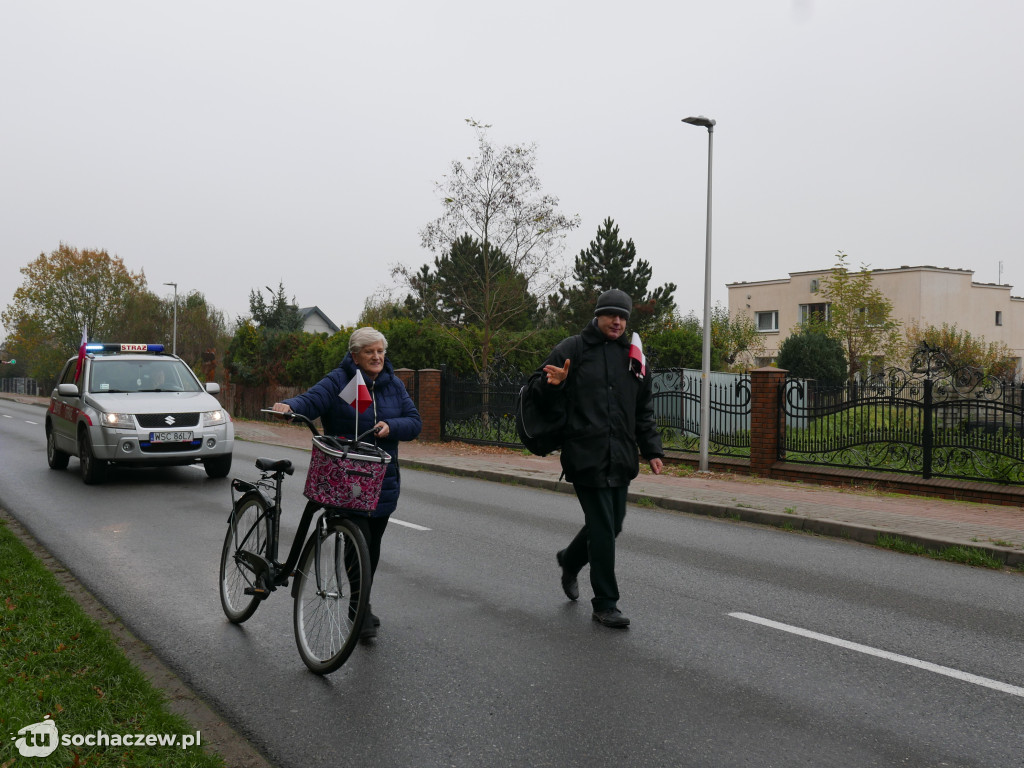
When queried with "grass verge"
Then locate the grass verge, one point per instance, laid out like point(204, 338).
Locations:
point(964, 555)
point(57, 663)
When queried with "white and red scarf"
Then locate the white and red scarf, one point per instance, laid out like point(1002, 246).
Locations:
point(637, 360)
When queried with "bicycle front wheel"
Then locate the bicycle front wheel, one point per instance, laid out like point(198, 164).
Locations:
point(332, 594)
point(248, 531)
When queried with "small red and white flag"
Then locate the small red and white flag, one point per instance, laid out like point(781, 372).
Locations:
point(81, 352)
point(356, 394)
point(637, 360)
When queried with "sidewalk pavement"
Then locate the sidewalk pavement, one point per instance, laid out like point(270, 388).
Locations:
point(860, 514)
point(857, 514)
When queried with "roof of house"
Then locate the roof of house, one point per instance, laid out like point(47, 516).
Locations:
point(306, 312)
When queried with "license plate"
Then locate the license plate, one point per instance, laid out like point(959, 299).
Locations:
point(170, 437)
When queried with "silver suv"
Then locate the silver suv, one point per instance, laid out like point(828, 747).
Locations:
point(135, 404)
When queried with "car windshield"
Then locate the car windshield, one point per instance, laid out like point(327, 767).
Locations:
point(113, 375)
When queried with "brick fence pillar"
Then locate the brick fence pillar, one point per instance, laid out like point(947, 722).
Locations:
point(408, 378)
point(429, 403)
point(766, 423)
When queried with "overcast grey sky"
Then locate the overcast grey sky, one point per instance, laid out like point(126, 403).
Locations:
point(233, 145)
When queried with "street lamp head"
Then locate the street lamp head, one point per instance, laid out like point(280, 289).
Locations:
point(703, 122)
point(174, 284)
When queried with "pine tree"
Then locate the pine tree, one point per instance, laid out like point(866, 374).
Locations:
point(610, 263)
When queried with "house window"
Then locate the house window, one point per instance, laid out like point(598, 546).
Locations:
point(871, 317)
point(768, 321)
point(815, 311)
point(814, 285)
point(999, 317)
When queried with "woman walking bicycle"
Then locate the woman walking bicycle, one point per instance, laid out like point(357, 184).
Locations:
point(346, 409)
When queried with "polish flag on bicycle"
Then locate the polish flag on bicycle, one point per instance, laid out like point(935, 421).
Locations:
point(356, 394)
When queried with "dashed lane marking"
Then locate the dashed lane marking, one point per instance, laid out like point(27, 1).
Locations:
point(956, 674)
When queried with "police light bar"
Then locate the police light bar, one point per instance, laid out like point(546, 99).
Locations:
point(123, 347)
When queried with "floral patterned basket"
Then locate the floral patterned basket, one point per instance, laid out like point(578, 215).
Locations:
point(345, 474)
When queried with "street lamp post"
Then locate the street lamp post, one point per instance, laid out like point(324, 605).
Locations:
point(705, 357)
point(174, 338)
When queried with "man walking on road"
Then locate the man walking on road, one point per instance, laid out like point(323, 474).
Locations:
point(599, 379)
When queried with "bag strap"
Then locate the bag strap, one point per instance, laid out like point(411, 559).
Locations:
point(570, 395)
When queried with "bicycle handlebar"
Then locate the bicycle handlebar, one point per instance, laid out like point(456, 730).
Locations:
point(293, 416)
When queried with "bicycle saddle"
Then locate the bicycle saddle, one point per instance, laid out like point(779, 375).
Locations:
point(275, 465)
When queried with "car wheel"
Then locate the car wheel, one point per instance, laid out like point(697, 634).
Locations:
point(218, 467)
point(55, 457)
point(94, 470)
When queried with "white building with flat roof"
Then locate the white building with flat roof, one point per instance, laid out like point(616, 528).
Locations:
point(925, 295)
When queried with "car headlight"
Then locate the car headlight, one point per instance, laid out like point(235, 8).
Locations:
point(214, 418)
point(117, 420)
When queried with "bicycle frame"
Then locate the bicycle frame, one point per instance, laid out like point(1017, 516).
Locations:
point(278, 572)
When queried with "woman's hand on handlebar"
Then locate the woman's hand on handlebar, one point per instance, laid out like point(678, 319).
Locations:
point(382, 429)
point(281, 410)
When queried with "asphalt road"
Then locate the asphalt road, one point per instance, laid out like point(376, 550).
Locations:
point(873, 659)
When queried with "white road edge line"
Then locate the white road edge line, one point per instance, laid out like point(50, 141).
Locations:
point(866, 649)
point(415, 527)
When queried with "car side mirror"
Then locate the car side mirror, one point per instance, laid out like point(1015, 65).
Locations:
point(212, 387)
point(67, 390)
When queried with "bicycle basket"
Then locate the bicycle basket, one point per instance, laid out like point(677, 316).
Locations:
point(345, 474)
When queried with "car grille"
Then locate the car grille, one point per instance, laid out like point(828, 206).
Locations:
point(167, 420)
point(148, 447)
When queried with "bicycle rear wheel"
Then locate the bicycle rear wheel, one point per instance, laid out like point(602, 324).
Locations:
point(248, 531)
point(331, 597)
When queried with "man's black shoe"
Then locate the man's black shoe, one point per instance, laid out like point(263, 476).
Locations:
point(611, 618)
point(569, 584)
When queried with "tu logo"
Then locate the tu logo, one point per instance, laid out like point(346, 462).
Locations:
point(38, 739)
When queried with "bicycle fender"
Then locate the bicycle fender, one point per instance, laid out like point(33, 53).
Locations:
point(247, 493)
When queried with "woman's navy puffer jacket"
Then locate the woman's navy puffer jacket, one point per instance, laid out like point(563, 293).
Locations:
point(391, 403)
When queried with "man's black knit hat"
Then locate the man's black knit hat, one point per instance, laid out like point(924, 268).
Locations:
point(614, 302)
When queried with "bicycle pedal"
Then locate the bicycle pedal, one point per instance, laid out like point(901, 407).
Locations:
point(260, 594)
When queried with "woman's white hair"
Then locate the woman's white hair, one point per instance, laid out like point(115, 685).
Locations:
point(362, 337)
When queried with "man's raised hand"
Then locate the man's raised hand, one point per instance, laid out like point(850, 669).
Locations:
point(557, 375)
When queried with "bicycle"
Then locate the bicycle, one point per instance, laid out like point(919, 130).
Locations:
point(331, 567)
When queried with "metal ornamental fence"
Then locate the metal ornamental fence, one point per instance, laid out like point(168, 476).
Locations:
point(933, 420)
point(677, 408)
point(480, 410)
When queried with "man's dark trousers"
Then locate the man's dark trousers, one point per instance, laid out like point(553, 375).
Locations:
point(604, 509)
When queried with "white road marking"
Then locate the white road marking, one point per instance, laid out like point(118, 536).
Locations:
point(6, 415)
point(33, 423)
point(409, 525)
point(866, 649)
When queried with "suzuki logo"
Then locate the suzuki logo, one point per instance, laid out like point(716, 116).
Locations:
point(169, 420)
